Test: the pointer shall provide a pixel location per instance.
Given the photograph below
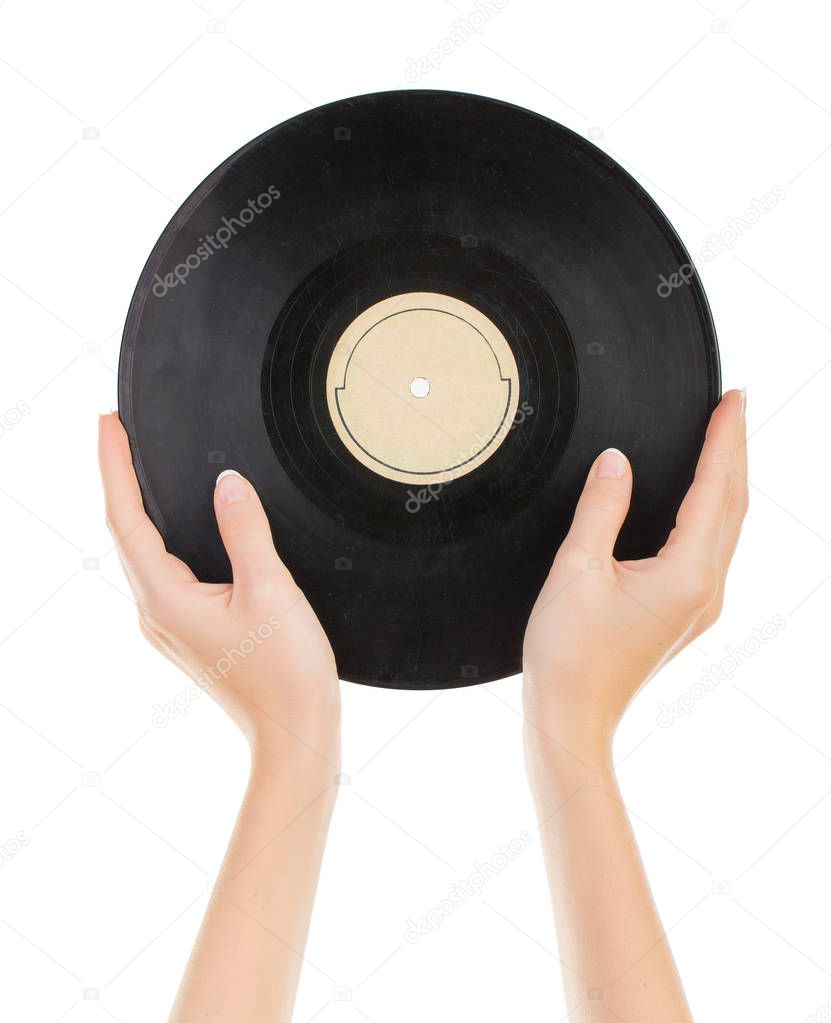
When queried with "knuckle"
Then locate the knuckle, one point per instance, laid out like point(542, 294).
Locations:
point(152, 606)
point(148, 621)
point(710, 615)
point(147, 629)
point(109, 518)
point(572, 554)
point(237, 527)
point(714, 610)
point(605, 508)
point(699, 587)
point(606, 496)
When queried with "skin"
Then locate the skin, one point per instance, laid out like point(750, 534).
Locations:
point(285, 697)
point(600, 629)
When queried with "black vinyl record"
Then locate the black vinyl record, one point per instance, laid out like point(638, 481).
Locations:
point(412, 319)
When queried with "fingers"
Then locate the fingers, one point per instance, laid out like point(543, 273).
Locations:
point(246, 534)
point(738, 500)
point(242, 524)
point(141, 547)
point(603, 505)
point(701, 518)
point(733, 519)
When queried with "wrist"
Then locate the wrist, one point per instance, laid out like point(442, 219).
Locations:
point(310, 748)
point(560, 760)
point(290, 729)
point(285, 775)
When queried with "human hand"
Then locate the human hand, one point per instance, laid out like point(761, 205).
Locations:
point(601, 628)
point(255, 644)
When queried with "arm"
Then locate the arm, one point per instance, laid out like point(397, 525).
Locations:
point(245, 965)
point(258, 649)
point(600, 629)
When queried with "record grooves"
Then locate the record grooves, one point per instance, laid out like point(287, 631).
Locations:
point(414, 349)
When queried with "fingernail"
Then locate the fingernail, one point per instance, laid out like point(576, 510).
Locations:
point(743, 402)
point(231, 487)
point(611, 465)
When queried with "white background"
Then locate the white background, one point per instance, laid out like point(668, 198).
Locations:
point(710, 105)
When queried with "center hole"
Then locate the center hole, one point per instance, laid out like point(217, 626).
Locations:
point(420, 387)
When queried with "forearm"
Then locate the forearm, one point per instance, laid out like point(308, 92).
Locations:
point(617, 963)
point(246, 961)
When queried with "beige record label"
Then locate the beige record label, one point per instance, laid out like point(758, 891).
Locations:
point(422, 388)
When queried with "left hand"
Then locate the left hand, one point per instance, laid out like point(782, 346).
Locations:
point(255, 644)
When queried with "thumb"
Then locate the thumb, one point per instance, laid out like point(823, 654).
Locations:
point(603, 504)
point(245, 531)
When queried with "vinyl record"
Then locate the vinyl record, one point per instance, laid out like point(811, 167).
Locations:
point(412, 319)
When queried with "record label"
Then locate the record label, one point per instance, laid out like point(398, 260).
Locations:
point(422, 388)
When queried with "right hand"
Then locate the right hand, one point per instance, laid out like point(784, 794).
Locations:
point(601, 627)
